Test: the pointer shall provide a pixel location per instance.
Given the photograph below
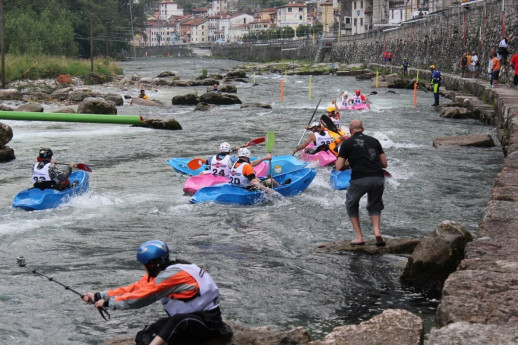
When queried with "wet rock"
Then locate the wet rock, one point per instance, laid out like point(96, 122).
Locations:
point(165, 74)
point(67, 110)
point(189, 99)
point(170, 124)
point(161, 82)
point(400, 245)
point(457, 113)
point(31, 107)
point(6, 154)
point(10, 94)
point(435, 258)
point(6, 134)
point(79, 95)
point(466, 333)
point(202, 106)
point(351, 73)
point(5, 108)
point(228, 88)
point(477, 140)
point(219, 98)
point(392, 327)
point(236, 74)
point(115, 98)
point(61, 94)
point(96, 105)
point(256, 105)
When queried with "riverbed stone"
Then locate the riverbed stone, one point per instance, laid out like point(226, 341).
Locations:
point(31, 107)
point(6, 154)
point(10, 94)
point(256, 105)
point(466, 333)
point(435, 258)
point(392, 327)
point(96, 105)
point(6, 134)
point(401, 245)
point(476, 140)
point(189, 99)
point(219, 98)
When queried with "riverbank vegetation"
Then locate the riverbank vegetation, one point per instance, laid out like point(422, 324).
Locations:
point(43, 66)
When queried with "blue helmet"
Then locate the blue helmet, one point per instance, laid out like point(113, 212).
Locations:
point(154, 251)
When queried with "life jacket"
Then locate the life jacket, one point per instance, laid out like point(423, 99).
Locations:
point(220, 167)
point(39, 175)
point(207, 299)
point(357, 99)
point(324, 139)
point(333, 147)
point(236, 175)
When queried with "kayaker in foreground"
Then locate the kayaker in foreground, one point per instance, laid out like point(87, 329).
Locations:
point(45, 173)
point(187, 292)
point(242, 173)
point(320, 138)
point(366, 158)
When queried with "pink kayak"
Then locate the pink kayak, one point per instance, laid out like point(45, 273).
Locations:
point(194, 183)
point(360, 106)
point(323, 157)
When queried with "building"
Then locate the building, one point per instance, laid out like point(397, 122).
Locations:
point(199, 31)
point(217, 7)
point(327, 16)
point(261, 24)
point(167, 9)
point(292, 15)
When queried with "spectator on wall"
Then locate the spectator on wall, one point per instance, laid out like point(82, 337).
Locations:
point(502, 52)
point(514, 64)
point(474, 64)
point(463, 64)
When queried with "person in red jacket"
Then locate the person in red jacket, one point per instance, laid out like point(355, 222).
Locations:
point(514, 64)
point(187, 292)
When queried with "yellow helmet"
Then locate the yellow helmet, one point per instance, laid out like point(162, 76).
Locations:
point(330, 108)
point(432, 66)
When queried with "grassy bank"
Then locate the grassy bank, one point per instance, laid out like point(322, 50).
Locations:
point(35, 67)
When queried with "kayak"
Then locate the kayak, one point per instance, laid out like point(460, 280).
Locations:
point(281, 164)
point(340, 179)
point(323, 157)
point(360, 106)
point(206, 179)
point(295, 182)
point(41, 199)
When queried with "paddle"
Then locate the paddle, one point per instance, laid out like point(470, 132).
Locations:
point(198, 162)
point(270, 141)
point(332, 127)
point(311, 119)
point(21, 263)
point(79, 166)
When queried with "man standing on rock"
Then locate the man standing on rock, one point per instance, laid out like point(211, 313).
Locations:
point(435, 84)
point(366, 158)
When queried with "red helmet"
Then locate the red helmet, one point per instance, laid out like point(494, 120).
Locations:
point(357, 92)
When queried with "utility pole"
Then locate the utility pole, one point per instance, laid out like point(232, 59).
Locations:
point(91, 43)
point(2, 41)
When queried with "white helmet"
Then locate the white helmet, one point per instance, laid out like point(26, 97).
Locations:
point(346, 94)
point(224, 147)
point(244, 152)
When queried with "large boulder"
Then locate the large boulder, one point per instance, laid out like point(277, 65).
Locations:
point(6, 134)
point(189, 99)
point(435, 258)
point(228, 88)
point(165, 74)
point(6, 154)
point(458, 113)
point(170, 124)
point(467, 333)
point(392, 327)
point(79, 95)
point(256, 105)
point(477, 140)
point(236, 74)
point(61, 94)
point(219, 98)
point(115, 98)
point(96, 105)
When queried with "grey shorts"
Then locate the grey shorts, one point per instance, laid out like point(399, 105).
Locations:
point(373, 187)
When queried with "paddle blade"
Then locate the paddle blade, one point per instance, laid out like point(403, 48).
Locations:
point(83, 167)
point(386, 174)
point(256, 141)
point(195, 163)
point(329, 124)
point(270, 141)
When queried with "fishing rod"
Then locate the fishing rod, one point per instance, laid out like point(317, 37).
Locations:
point(21, 263)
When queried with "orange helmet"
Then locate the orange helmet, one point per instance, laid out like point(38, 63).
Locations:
point(358, 92)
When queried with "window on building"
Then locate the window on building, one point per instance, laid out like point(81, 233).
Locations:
point(354, 3)
point(347, 20)
point(300, 9)
point(361, 4)
point(289, 9)
point(355, 21)
point(361, 21)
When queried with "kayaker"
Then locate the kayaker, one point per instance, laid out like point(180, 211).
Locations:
point(320, 138)
point(215, 88)
point(243, 174)
point(220, 164)
point(344, 98)
point(187, 292)
point(45, 173)
point(358, 98)
point(334, 115)
point(366, 158)
point(143, 94)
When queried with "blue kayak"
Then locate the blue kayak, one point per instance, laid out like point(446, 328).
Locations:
point(340, 179)
point(41, 199)
point(281, 164)
point(226, 193)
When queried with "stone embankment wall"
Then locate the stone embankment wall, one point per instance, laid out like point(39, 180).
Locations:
point(437, 39)
point(294, 50)
point(480, 300)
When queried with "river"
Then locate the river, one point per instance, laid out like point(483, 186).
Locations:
point(262, 257)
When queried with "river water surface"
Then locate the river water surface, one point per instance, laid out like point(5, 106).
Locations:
point(262, 257)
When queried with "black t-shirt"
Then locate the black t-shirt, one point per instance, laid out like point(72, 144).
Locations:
point(363, 152)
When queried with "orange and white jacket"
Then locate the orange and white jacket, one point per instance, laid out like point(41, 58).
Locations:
point(182, 288)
